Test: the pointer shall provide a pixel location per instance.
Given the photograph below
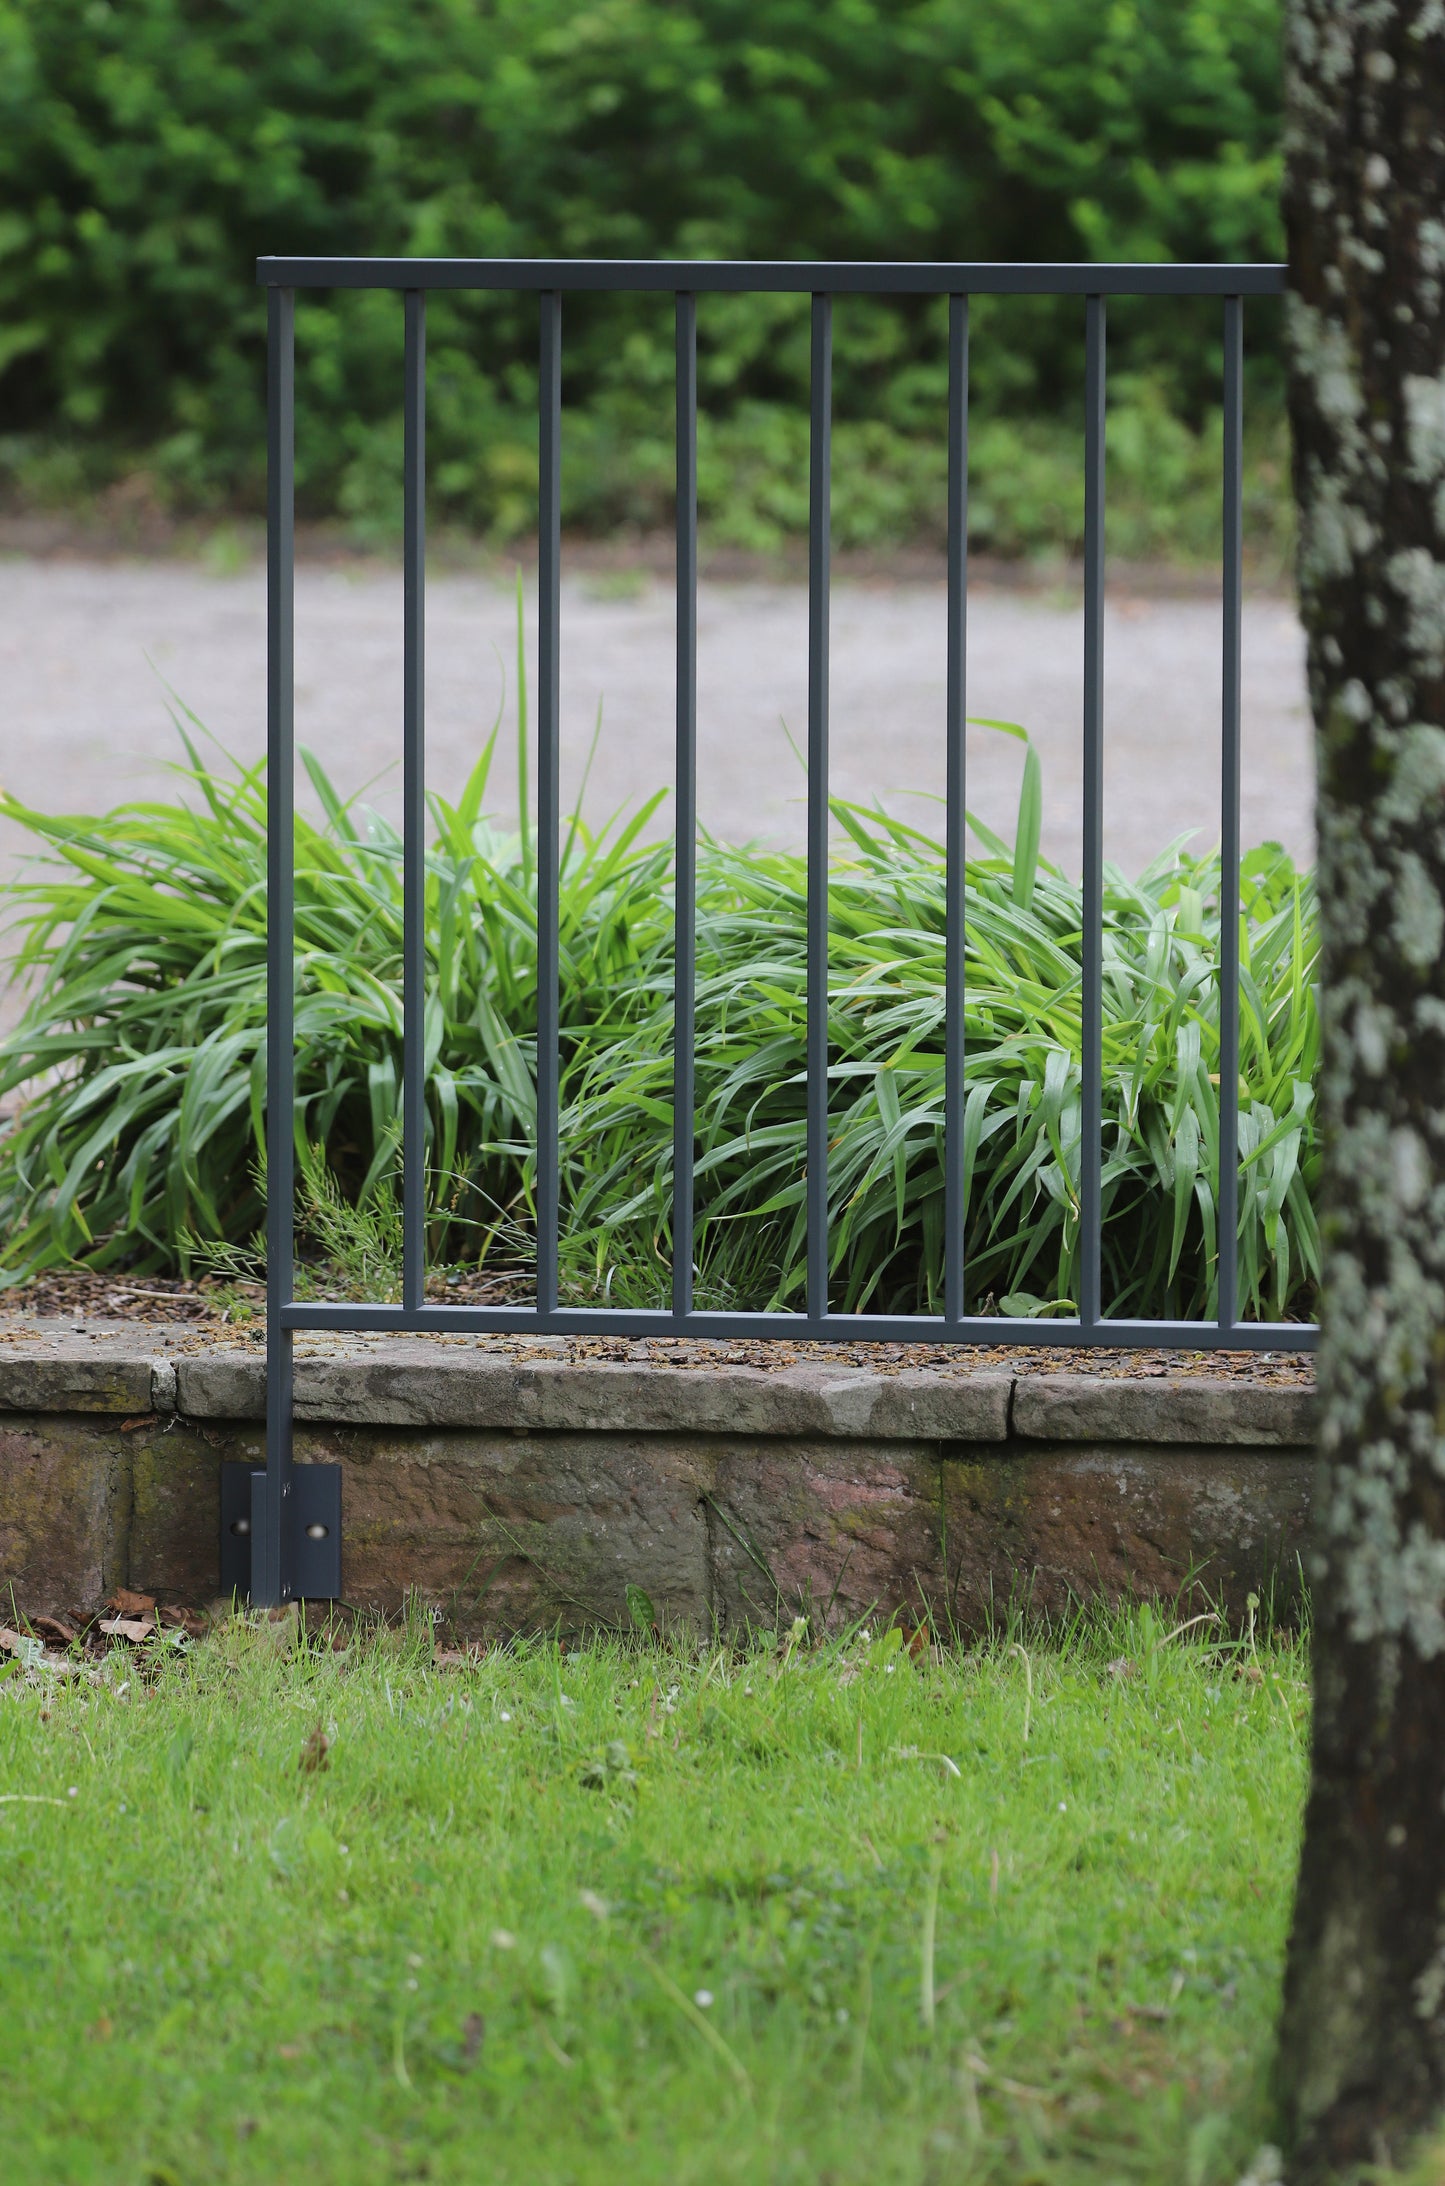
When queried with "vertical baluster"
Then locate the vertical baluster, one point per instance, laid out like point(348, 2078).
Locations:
point(413, 824)
point(955, 824)
point(820, 455)
point(1228, 1182)
point(271, 1560)
point(685, 866)
point(549, 626)
point(1091, 1118)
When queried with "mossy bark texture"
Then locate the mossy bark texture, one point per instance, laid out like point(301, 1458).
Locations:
point(1362, 2059)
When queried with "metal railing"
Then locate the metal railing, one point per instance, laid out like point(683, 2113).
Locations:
point(277, 1540)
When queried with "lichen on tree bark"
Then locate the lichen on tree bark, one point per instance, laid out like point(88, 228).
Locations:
point(1362, 2058)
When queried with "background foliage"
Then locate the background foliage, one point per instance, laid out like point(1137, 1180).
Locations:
point(149, 151)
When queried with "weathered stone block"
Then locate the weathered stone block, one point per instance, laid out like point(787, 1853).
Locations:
point(503, 1531)
point(75, 1383)
point(175, 1532)
point(415, 1384)
point(1174, 1408)
point(221, 1384)
point(829, 1530)
point(1047, 1528)
point(64, 1512)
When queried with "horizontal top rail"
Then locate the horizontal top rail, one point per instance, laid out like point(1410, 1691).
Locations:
point(794, 276)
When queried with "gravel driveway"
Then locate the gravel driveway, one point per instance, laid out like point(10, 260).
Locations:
point(86, 649)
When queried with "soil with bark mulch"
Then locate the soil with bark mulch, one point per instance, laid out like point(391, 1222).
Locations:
point(236, 1311)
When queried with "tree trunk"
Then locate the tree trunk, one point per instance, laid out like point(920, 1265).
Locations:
point(1362, 2052)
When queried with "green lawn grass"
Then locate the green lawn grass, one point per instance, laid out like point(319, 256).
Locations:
point(647, 1914)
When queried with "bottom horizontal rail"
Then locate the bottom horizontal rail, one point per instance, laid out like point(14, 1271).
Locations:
point(829, 1328)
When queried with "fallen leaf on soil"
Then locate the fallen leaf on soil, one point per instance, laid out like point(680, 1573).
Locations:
point(53, 1629)
point(131, 1628)
point(127, 1604)
point(177, 1616)
point(142, 1419)
point(15, 1643)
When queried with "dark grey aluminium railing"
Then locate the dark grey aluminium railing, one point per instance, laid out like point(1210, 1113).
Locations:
point(293, 1556)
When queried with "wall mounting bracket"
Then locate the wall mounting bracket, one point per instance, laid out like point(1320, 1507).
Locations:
point(309, 1533)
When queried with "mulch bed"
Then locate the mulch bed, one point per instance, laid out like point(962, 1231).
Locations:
point(79, 1297)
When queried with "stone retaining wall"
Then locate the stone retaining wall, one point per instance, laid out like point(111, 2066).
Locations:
point(511, 1490)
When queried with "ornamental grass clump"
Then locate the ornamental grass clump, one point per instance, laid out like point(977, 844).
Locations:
point(136, 1079)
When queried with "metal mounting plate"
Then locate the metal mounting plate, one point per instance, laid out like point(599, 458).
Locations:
point(313, 1530)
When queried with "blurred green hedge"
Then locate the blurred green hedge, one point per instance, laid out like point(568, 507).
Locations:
point(150, 149)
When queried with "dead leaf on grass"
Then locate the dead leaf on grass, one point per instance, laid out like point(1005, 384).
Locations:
point(30, 1653)
point(177, 1617)
point(125, 1603)
point(130, 1628)
point(314, 1752)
